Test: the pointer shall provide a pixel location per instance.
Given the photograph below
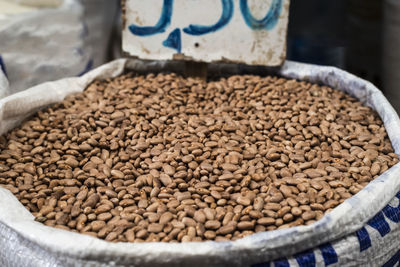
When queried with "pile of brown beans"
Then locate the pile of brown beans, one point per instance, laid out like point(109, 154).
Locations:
point(160, 157)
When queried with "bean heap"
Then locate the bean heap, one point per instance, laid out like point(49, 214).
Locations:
point(159, 157)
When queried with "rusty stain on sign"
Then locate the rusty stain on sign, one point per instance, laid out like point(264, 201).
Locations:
point(240, 31)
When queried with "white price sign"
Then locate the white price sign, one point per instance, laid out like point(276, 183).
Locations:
point(241, 31)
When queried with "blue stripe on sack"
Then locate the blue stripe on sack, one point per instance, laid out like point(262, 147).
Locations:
point(3, 66)
point(363, 239)
point(393, 260)
point(305, 259)
point(281, 263)
point(379, 223)
point(393, 213)
point(265, 264)
point(329, 254)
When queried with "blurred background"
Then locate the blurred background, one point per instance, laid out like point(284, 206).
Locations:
point(360, 36)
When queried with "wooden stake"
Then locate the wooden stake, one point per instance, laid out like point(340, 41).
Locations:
point(196, 69)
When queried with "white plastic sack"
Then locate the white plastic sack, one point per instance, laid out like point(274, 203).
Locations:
point(46, 42)
point(39, 3)
point(363, 231)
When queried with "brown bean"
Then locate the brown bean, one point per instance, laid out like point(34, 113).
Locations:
point(227, 229)
point(117, 174)
point(104, 216)
point(200, 216)
point(91, 201)
point(266, 221)
point(214, 224)
point(243, 201)
point(245, 225)
point(97, 225)
point(166, 217)
point(308, 215)
point(154, 228)
point(189, 221)
point(283, 211)
point(209, 234)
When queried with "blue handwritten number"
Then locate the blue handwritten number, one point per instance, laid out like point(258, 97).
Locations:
point(227, 14)
point(268, 22)
point(161, 25)
point(174, 40)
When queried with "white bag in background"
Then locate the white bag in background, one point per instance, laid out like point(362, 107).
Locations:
point(38, 3)
point(43, 43)
point(362, 231)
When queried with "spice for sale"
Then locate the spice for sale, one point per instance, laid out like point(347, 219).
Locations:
point(160, 157)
